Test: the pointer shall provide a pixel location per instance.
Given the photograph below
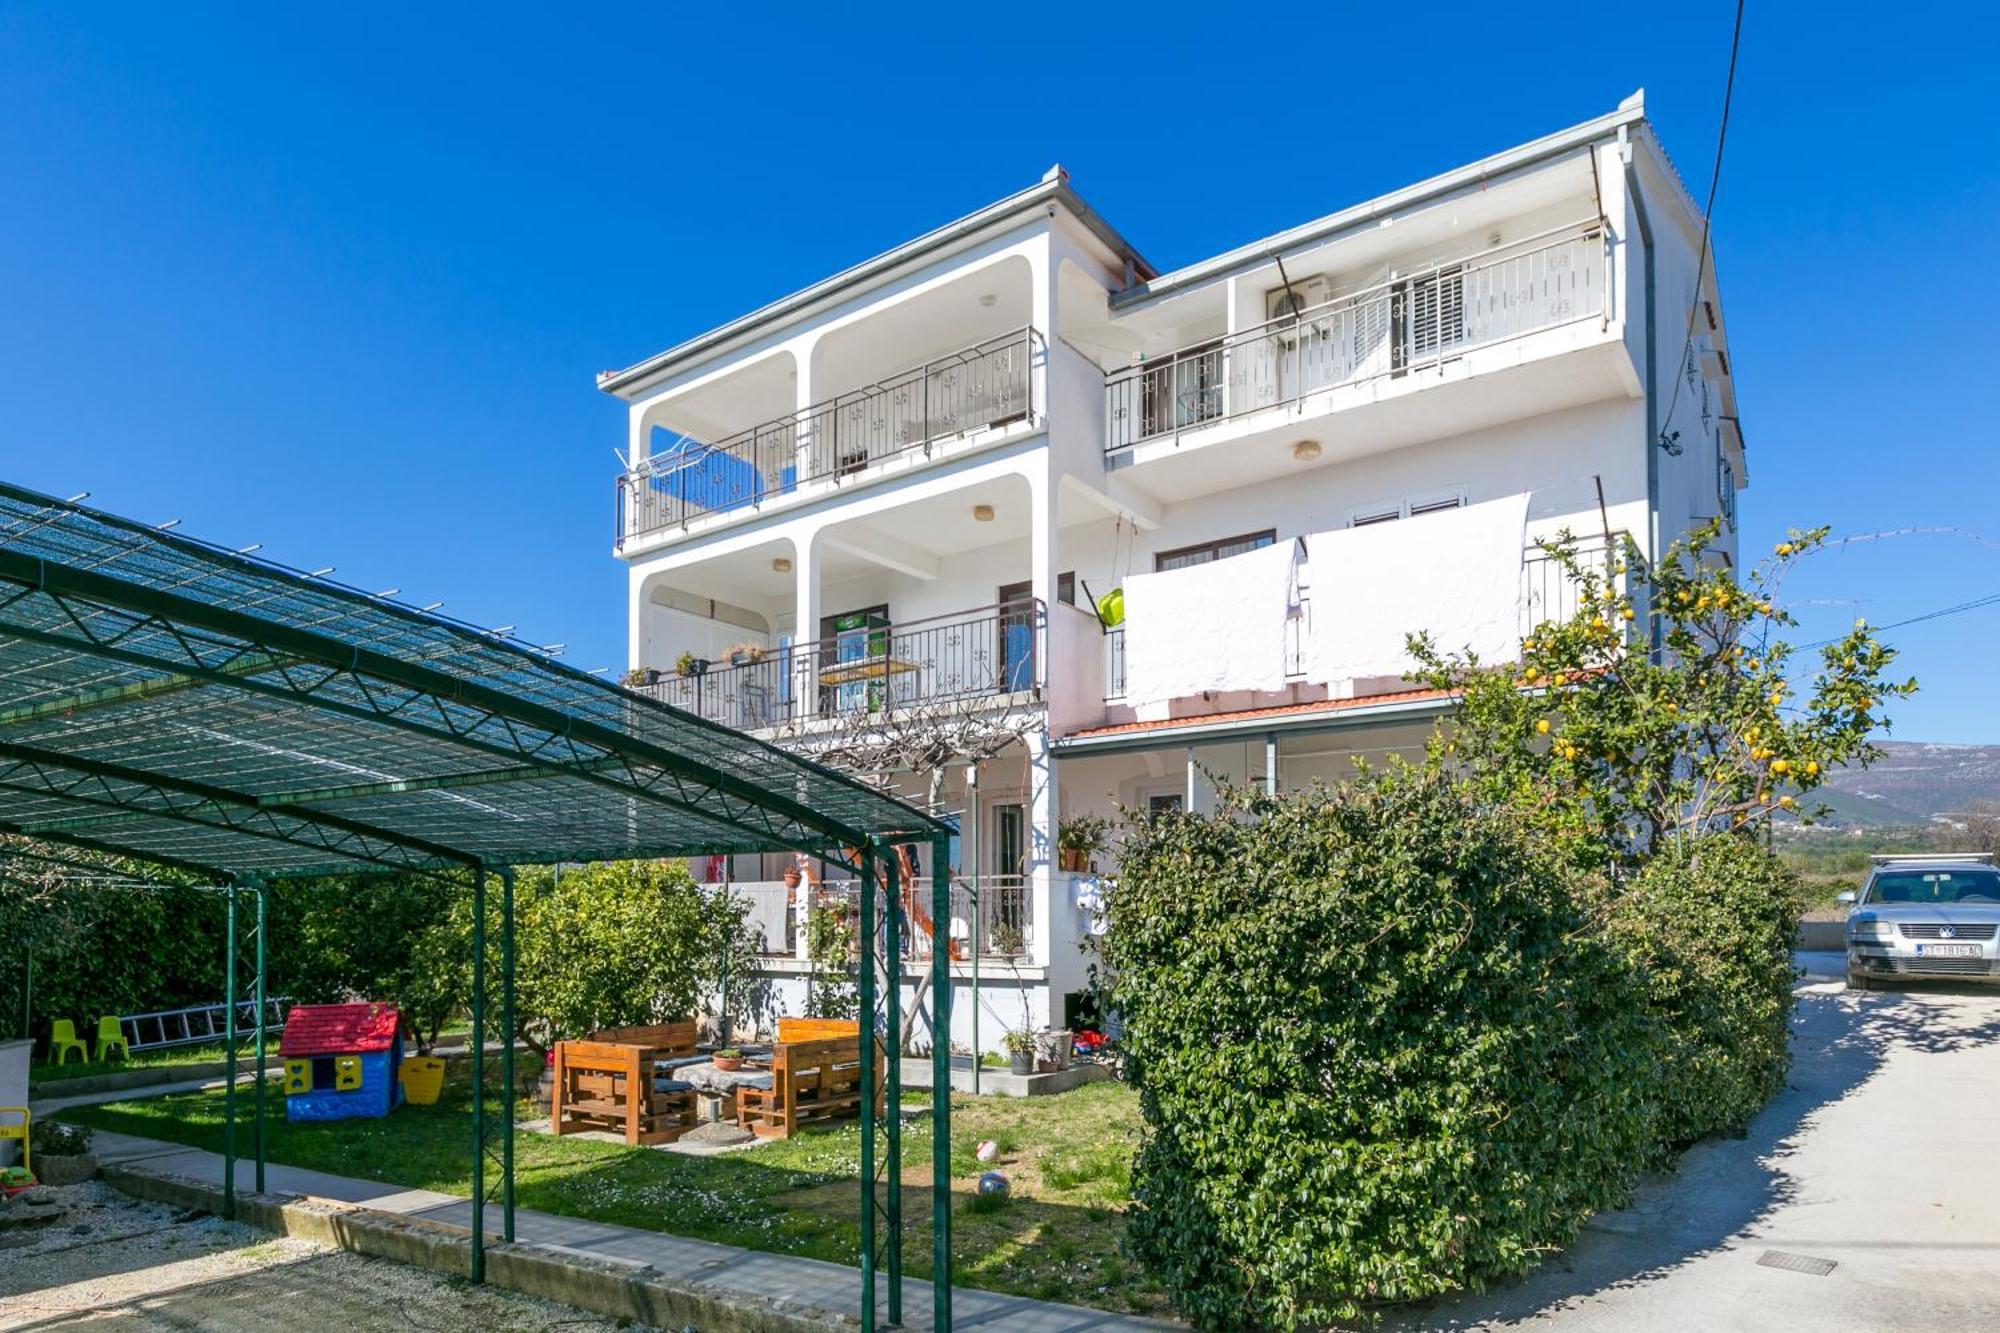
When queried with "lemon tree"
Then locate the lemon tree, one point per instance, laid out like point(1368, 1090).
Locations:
point(1668, 704)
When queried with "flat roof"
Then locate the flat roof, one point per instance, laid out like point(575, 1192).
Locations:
point(169, 700)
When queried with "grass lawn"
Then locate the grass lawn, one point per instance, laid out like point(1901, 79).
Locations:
point(173, 1057)
point(1058, 1238)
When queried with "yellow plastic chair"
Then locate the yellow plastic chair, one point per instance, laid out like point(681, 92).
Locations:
point(111, 1037)
point(63, 1040)
point(18, 1131)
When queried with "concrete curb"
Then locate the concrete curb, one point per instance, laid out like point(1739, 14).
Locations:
point(614, 1288)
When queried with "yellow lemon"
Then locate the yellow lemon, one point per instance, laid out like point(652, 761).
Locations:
point(1812, 769)
point(1781, 766)
point(1787, 802)
point(1628, 613)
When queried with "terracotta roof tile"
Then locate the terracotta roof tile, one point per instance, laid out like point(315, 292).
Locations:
point(1257, 714)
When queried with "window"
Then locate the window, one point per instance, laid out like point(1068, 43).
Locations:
point(1066, 587)
point(1436, 506)
point(1166, 803)
point(1184, 556)
point(1426, 317)
point(1386, 514)
point(1388, 511)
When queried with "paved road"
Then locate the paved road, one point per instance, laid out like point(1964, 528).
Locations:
point(1878, 1157)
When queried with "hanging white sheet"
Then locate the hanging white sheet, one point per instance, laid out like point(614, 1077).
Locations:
point(1216, 626)
point(1455, 573)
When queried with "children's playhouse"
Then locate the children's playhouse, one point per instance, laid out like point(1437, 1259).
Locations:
point(341, 1061)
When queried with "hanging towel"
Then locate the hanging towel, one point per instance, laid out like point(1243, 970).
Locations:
point(1455, 573)
point(1216, 626)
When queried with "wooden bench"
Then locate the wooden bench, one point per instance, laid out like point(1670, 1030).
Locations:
point(814, 1078)
point(605, 1083)
point(816, 1029)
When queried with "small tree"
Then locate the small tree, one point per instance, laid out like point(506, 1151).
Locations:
point(617, 944)
point(1622, 748)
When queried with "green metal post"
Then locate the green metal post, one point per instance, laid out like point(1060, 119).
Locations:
point(867, 1031)
point(257, 1093)
point(892, 1042)
point(513, 1088)
point(941, 1083)
point(229, 1055)
point(479, 1075)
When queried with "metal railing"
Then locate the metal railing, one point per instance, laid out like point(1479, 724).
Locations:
point(1396, 328)
point(985, 386)
point(1549, 592)
point(965, 656)
point(1001, 905)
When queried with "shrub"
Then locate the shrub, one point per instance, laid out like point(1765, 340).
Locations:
point(619, 944)
point(1708, 927)
point(1379, 1054)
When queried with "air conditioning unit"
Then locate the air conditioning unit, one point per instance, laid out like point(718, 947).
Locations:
point(1302, 295)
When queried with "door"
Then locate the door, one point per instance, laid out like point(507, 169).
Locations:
point(1010, 839)
point(1016, 646)
point(854, 659)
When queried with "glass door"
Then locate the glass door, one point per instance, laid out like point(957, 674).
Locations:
point(855, 648)
point(1017, 637)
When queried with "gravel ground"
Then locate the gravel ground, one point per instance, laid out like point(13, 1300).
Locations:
point(136, 1265)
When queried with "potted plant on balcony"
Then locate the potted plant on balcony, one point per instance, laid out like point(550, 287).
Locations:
point(1006, 939)
point(743, 654)
point(1079, 838)
point(1020, 1046)
point(690, 665)
point(640, 677)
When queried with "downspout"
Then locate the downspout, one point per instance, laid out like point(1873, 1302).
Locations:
point(1652, 375)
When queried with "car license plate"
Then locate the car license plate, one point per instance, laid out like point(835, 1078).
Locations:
point(1947, 951)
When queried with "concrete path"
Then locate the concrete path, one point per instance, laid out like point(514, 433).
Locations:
point(832, 1287)
point(1878, 1158)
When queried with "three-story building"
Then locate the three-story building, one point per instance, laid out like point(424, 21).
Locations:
point(1033, 531)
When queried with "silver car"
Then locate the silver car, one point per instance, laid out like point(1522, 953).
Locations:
point(1925, 917)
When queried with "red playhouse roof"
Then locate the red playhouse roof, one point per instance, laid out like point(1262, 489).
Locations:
point(339, 1029)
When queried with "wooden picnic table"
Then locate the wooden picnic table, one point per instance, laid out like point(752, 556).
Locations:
point(720, 1086)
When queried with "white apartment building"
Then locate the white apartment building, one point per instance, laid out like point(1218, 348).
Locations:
point(883, 509)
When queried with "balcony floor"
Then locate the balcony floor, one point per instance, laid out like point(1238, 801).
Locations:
point(1546, 372)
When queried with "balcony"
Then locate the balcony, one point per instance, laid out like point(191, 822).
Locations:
point(1548, 592)
point(956, 660)
point(1395, 330)
point(986, 386)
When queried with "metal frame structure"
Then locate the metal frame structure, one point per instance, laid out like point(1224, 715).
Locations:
point(175, 703)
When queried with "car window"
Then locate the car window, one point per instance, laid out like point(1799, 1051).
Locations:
point(1936, 886)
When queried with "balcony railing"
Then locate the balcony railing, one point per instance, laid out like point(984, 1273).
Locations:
point(1001, 905)
point(1397, 328)
point(1548, 591)
point(963, 657)
point(987, 385)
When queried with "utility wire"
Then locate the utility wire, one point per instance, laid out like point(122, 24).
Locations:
point(1707, 216)
point(1990, 599)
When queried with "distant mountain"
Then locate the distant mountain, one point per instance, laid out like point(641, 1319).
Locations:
point(1914, 783)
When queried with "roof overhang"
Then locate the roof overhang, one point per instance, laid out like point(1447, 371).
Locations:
point(1287, 720)
point(1051, 191)
point(1483, 172)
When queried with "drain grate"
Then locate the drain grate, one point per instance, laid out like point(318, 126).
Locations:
point(1796, 1263)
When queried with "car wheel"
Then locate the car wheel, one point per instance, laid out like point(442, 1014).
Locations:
point(1855, 981)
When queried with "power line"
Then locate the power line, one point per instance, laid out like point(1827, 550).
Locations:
point(1707, 217)
point(1990, 599)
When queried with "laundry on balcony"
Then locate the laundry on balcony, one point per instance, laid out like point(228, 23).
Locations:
point(1214, 626)
point(1455, 574)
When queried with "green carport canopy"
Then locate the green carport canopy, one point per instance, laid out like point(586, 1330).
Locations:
point(172, 701)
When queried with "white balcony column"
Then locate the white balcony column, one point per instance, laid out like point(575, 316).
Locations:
point(805, 626)
point(1270, 764)
point(803, 441)
point(1232, 323)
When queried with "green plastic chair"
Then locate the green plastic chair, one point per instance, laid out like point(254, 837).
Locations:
point(111, 1037)
point(63, 1040)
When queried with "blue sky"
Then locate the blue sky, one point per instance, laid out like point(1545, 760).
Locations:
point(339, 281)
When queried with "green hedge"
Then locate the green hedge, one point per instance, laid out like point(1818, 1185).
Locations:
point(1380, 1053)
point(1709, 928)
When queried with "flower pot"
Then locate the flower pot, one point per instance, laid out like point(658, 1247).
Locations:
point(729, 1064)
point(1072, 860)
point(740, 659)
point(1021, 1062)
point(65, 1168)
point(963, 1062)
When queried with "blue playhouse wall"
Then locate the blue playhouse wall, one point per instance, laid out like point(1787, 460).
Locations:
point(380, 1092)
